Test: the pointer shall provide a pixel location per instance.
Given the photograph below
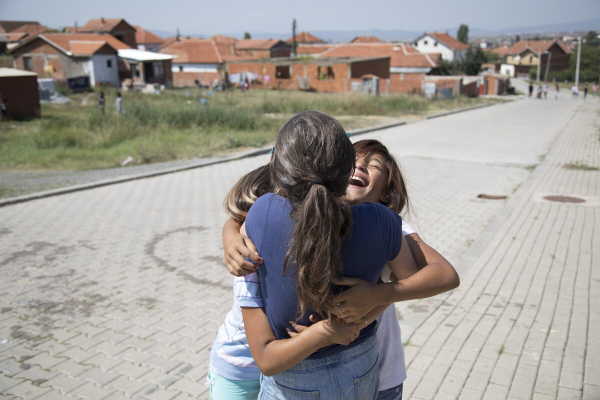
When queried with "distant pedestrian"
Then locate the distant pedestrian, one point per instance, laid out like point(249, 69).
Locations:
point(539, 92)
point(594, 89)
point(545, 88)
point(585, 90)
point(246, 85)
point(556, 93)
point(530, 89)
point(574, 91)
point(119, 103)
point(3, 108)
point(101, 101)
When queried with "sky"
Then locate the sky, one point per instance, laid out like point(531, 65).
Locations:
point(232, 16)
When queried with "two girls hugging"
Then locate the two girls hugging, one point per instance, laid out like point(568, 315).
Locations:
point(320, 255)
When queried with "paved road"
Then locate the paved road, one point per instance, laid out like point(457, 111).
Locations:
point(117, 292)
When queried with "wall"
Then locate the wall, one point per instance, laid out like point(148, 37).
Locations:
point(430, 47)
point(102, 74)
point(380, 68)
point(406, 83)
point(126, 33)
point(22, 95)
point(189, 67)
point(41, 54)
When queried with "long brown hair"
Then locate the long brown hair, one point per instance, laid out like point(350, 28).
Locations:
point(245, 192)
point(395, 195)
point(311, 166)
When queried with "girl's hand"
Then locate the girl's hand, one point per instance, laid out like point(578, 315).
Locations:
point(237, 246)
point(362, 297)
point(335, 331)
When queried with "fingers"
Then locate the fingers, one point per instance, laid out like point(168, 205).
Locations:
point(298, 327)
point(248, 253)
point(250, 245)
point(291, 332)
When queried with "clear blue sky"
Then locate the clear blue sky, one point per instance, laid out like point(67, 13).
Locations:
point(210, 17)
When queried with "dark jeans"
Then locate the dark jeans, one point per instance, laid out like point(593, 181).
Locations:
point(394, 393)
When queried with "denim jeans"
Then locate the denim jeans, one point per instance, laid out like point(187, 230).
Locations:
point(394, 393)
point(351, 374)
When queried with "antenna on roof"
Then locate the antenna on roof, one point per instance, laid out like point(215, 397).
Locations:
point(103, 20)
point(75, 27)
point(178, 34)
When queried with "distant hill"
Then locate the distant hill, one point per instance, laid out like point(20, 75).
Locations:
point(406, 35)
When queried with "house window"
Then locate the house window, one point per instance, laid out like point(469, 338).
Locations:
point(120, 37)
point(530, 58)
point(181, 68)
point(434, 44)
point(27, 63)
point(159, 70)
point(109, 63)
point(326, 73)
point(282, 72)
point(424, 42)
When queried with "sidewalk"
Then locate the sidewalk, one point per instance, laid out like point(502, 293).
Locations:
point(524, 322)
point(117, 292)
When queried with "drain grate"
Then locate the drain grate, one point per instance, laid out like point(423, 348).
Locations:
point(564, 199)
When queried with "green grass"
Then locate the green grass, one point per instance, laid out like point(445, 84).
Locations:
point(174, 125)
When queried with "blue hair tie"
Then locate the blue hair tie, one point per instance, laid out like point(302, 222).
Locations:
point(348, 135)
point(272, 150)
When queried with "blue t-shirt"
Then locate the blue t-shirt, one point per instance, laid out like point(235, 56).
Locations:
point(374, 239)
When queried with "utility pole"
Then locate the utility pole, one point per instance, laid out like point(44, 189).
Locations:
point(547, 65)
point(578, 61)
point(539, 62)
point(294, 44)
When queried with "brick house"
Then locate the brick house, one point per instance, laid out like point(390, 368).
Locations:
point(17, 31)
point(306, 38)
point(527, 54)
point(63, 55)
point(333, 75)
point(263, 48)
point(408, 66)
point(147, 40)
point(199, 61)
point(117, 27)
point(448, 47)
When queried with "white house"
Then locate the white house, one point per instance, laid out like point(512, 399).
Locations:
point(441, 43)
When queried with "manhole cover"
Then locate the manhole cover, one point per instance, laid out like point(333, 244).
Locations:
point(564, 199)
point(491, 197)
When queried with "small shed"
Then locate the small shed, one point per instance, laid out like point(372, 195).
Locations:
point(20, 90)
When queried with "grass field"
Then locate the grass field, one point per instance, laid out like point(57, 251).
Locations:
point(178, 124)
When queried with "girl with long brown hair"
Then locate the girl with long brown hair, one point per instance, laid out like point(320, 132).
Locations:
point(377, 178)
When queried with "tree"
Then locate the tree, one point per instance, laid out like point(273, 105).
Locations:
point(591, 39)
point(471, 65)
point(294, 44)
point(589, 68)
point(445, 68)
point(247, 35)
point(463, 33)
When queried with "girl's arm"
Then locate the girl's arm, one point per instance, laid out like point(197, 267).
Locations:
point(436, 275)
point(273, 356)
point(236, 246)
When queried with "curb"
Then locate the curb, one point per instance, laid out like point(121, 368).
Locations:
point(253, 153)
point(443, 114)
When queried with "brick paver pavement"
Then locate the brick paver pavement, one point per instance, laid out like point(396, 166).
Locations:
point(117, 292)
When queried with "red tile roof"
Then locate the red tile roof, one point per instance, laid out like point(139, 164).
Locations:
point(224, 39)
point(366, 39)
point(142, 36)
point(16, 36)
point(257, 44)
point(306, 37)
point(400, 54)
point(9, 26)
point(194, 51)
point(86, 48)
point(448, 40)
point(62, 40)
point(311, 49)
point(31, 28)
point(501, 51)
point(101, 25)
point(537, 46)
